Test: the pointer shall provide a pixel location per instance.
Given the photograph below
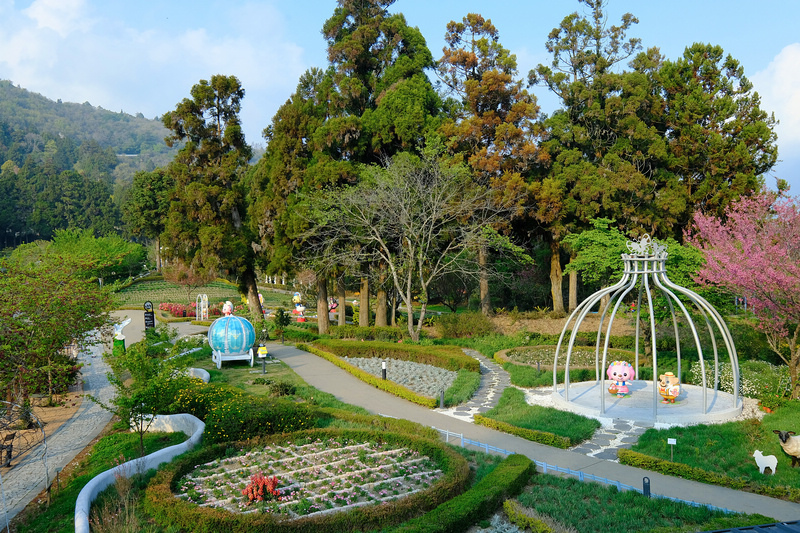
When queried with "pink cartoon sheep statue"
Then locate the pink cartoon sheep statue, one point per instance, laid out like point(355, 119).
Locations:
point(621, 373)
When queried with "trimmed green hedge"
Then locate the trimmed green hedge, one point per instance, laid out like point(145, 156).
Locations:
point(383, 384)
point(372, 333)
point(447, 357)
point(460, 513)
point(516, 514)
point(169, 511)
point(379, 423)
point(646, 462)
point(542, 437)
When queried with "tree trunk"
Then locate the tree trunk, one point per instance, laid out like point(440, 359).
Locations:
point(380, 304)
point(323, 321)
point(158, 254)
point(363, 299)
point(253, 302)
point(556, 278)
point(573, 287)
point(483, 283)
point(341, 294)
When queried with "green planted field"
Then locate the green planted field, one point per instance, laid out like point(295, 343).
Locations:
point(164, 291)
point(160, 291)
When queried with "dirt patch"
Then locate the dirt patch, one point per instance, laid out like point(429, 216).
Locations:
point(553, 326)
point(54, 416)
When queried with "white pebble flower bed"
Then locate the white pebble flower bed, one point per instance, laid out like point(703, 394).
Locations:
point(426, 380)
point(315, 478)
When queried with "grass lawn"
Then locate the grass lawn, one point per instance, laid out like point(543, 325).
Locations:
point(595, 508)
point(728, 448)
point(512, 409)
point(160, 291)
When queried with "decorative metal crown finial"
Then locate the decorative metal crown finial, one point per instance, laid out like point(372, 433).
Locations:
point(646, 246)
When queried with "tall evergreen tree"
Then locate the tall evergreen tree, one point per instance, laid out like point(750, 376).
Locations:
point(494, 124)
point(206, 228)
point(373, 101)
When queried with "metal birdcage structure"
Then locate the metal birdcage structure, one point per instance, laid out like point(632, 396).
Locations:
point(645, 279)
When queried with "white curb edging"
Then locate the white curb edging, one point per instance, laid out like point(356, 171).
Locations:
point(186, 423)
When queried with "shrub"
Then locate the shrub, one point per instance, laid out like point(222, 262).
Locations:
point(281, 388)
point(245, 417)
point(371, 333)
point(200, 398)
point(757, 379)
point(463, 325)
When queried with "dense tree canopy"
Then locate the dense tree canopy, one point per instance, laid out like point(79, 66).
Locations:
point(46, 305)
point(420, 217)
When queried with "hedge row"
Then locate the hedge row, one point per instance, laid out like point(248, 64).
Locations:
point(447, 357)
point(382, 384)
point(589, 338)
point(169, 511)
point(458, 514)
point(373, 333)
point(639, 460)
point(516, 514)
point(542, 437)
point(646, 462)
point(380, 423)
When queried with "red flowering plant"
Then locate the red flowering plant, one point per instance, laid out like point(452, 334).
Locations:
point(261, 488)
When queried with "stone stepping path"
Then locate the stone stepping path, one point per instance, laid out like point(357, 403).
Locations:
point(494, 380)
point(611, 436)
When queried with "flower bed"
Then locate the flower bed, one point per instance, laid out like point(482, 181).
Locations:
point(319, 477)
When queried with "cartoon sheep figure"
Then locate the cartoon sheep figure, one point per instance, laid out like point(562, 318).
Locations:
point(765, 461)
point(790, 444)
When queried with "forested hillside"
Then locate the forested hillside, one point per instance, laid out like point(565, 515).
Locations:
point(138, 140)
point(65, 165)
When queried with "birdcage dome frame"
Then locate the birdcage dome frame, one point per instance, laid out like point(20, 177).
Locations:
point(645, 276)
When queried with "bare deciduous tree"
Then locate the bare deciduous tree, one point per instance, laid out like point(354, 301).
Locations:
point(418, 216)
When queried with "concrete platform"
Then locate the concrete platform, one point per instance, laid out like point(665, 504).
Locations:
point(689, 408)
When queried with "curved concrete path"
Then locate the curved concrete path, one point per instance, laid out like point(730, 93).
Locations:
point(329, 378)
point(27, 478)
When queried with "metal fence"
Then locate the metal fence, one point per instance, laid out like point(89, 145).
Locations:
point(582, 476)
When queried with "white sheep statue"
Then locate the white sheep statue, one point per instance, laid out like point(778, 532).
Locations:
point(765, 461)
point(790, 444)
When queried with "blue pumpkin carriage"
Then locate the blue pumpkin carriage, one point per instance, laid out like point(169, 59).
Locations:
point(231, 339)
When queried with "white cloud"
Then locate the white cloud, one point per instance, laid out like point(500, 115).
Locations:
point(61, 16)
point(779, 87)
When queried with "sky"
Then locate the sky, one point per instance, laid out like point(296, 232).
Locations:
point(144, 56)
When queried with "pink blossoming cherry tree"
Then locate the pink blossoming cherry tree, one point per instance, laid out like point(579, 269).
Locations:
point(755, 252)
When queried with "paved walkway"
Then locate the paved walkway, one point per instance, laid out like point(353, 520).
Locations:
point(329, 378)
point(27, 478)
point(494, 379)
